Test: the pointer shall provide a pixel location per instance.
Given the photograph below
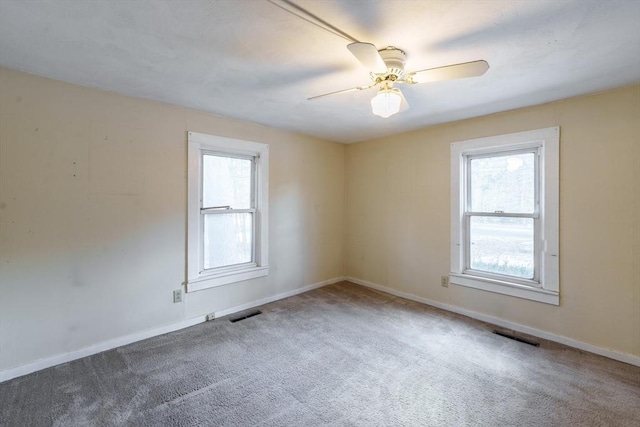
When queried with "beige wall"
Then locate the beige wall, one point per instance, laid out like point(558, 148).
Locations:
point(93, 211)
point(398, 217)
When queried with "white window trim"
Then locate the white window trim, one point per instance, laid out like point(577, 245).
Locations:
point(548, 290)
point(197, 278)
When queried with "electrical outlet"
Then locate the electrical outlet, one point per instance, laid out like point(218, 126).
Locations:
point(444, 281)
point(177, 295)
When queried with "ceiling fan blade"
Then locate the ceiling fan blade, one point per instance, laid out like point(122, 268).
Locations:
point(457, 71)
point(341, 91)
point(368, 55)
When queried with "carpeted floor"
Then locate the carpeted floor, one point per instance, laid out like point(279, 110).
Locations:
point(341, 355)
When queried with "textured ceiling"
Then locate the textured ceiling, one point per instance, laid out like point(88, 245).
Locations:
point(252, 60)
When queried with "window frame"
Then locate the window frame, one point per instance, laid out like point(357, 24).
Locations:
point(545, 286)
point(199, 145)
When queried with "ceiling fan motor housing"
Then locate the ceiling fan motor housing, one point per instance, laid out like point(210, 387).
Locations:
point(394, 59)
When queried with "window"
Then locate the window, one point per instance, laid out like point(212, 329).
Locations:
point(227, 211)
point(504, 214)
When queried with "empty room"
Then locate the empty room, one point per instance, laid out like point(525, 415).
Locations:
point(319, 213)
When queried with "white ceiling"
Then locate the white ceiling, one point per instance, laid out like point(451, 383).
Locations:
point(251, 60)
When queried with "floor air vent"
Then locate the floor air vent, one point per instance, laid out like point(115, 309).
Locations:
point(245, 316)
point(513, 337)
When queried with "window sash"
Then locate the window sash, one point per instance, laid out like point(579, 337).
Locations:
point(229, 267)
point(536, 282)
point(468, 158)
point(254, 176)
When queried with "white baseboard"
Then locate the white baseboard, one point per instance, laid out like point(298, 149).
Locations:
point(612, 354)
point(138, 336)
point(48, 362)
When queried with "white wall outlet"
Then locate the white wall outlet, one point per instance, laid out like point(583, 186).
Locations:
point(444, 281)
point(177, 295)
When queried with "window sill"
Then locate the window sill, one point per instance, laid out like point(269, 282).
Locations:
point(506, 288)
point(211, 280)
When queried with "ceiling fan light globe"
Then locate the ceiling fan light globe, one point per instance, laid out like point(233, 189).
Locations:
point(386, 103)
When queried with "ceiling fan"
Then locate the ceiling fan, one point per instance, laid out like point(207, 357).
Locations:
point(386, 65)
point(387, 69)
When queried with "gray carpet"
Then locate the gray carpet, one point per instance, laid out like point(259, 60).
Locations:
point(341, 355)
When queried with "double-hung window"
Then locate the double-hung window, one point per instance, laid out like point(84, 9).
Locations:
point(505, 214)
point(227, 211)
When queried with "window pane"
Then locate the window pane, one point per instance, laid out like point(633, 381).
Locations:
point(503, 183)
point(502, 246)
point(228, 239)
point(226, 181)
